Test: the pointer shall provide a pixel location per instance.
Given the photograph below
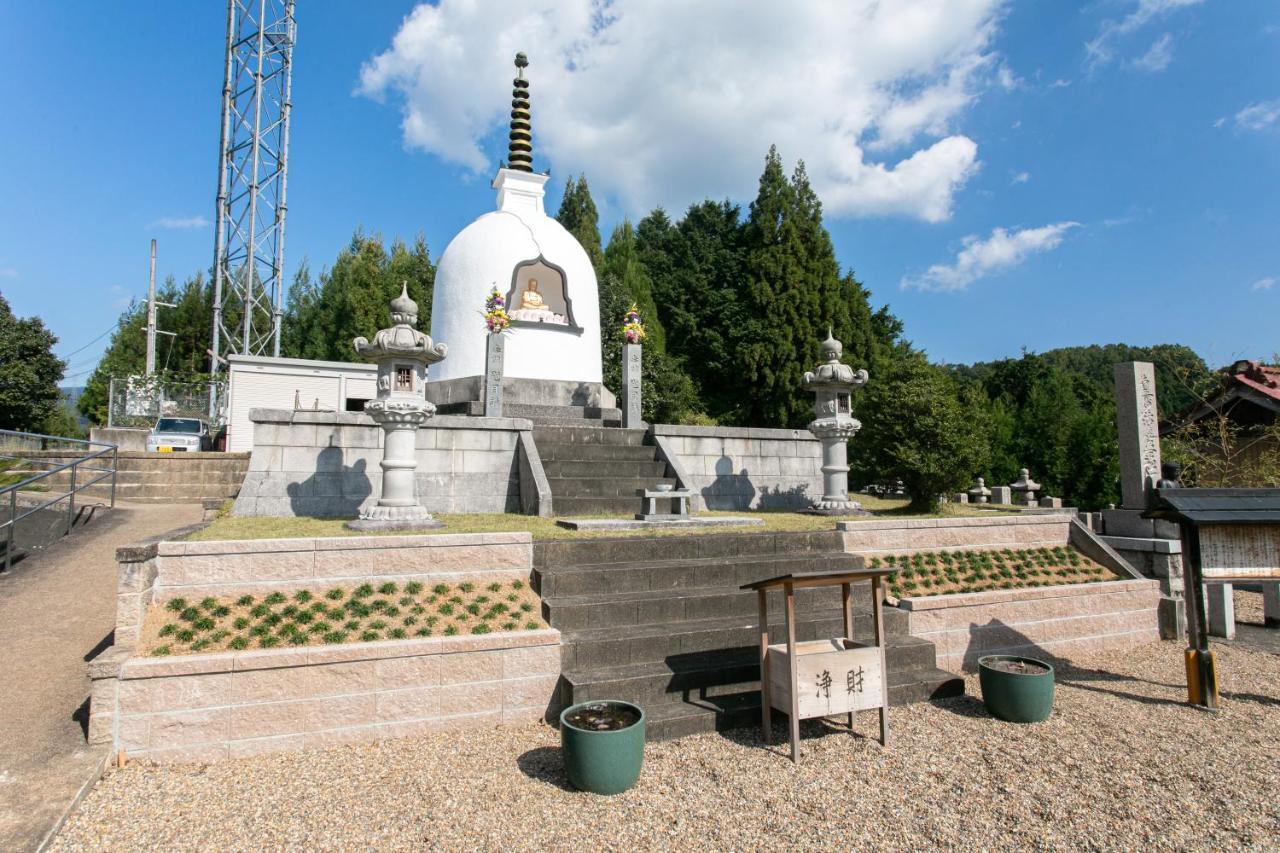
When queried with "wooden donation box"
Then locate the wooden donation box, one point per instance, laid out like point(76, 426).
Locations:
point(1227, 535)
point(821, 678)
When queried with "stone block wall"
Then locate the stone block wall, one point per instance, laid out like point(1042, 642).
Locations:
point(235, 704)
point(157, 572)
point(326, 464)
point(973, 533)
point(735, 468)
point(1045, 622)
point(148, 477)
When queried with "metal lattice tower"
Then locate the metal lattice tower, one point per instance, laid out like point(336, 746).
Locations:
point(253, 162)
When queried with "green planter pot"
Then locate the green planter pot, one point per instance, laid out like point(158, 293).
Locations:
point(605, 762)
point(1018, 697)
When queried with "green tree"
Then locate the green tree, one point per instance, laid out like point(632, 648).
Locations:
point(622, 263)
point(352, 298)
point(579, 217)
point(29, 373)
point(920, 427)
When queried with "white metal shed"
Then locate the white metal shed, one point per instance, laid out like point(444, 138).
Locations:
point(261, 382)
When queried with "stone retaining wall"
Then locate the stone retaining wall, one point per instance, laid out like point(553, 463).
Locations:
point(159, 571)
point(976, 533)
point(1045, 622)
point(733, 468)
point(150, 477)
point(234, 704)
point(326, 464)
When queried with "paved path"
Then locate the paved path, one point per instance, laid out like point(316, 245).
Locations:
point(57, 611)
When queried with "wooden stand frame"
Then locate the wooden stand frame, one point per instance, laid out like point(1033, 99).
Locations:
point(788, 659)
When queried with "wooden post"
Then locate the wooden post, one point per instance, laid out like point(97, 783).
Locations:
point(1205, 692)
point(847, 603)
point(794, 711)
point(766, 700)
point(877, 619)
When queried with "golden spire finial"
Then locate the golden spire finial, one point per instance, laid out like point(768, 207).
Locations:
point(520, 147)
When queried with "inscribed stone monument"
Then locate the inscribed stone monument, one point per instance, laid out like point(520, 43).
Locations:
point(631, 367)
point(1138, 428)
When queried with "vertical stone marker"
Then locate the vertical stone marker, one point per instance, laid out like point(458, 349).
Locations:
point(1138, 426)
point(493, 370)
point(631, 367)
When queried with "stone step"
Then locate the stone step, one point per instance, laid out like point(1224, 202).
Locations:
point(617, 467)
point(710, 674)
point(643, 574)
point(671, 607)
point(567, 434)
point(595, 452)
point(561, 414)
point(618, 645)
point(559, 553)
point(595, 506)
point(740, 710)
point(606, 486)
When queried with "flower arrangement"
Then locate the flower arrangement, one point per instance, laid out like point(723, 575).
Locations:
point(632, 326)
point(496, 318)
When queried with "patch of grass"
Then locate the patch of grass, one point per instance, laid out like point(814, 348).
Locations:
point(160, 651)
point(467, 587)
point(238, 643)
point(388, 588)
point(302, 596)
point(482, 628)
point(413, 588)
point(370, 636)
point(244, 601)
point(177, 605)
point(275, 598)
point(334, 595)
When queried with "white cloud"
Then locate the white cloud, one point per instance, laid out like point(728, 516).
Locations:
point(665, 102)
point(1259, 116)
point(1102, 49)
point(179, 222)
point(1007, 79)
point(1220, 121)
point(978, 258)
point(1060, 83)
point(1158, 57)
point(1020, 178)
point(1264, 283)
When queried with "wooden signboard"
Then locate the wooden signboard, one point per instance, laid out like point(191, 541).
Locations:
point(1239, 551)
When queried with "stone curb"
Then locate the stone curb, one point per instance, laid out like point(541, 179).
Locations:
point(999, 596)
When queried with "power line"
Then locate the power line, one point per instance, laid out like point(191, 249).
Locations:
point(67, 357)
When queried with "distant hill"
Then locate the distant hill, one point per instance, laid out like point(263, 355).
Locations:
point(1180, 372)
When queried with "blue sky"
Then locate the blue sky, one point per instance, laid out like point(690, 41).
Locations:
point(1003, 176)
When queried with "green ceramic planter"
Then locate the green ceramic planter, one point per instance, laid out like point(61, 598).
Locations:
point(603, 762)
point(1018, 697)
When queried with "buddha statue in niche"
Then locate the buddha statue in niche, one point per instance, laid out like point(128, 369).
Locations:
point(531, 299)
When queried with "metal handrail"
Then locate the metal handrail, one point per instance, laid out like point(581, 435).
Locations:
point(69, 496)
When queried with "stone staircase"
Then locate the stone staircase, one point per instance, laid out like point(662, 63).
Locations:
point(662, 622)
point(596, 470)
point(148, 477)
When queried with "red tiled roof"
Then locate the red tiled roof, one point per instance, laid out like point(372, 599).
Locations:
point(1260, 377)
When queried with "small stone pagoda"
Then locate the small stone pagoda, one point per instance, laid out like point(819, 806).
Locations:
point(402, 354)
point(833, 383)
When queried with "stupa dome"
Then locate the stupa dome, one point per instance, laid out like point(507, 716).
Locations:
point(543, 273)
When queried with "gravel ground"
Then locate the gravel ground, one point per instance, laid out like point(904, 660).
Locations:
point(1121, 764)
point(1248, 607)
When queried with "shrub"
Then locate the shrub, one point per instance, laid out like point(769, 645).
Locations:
point(275, 598)
point(388, 588)
point(244, 601)
point(413, 587)
point(177, 605)
point(334, 594)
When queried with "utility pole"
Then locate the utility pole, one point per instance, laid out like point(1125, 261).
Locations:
point(151, 314)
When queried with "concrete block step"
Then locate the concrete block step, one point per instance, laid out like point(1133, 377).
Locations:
point(591, 468)
point(616, 646)
point(649, 574)
point(711, 674)
point(581, 552)
point(646, 607)
point(741, 710)
point(571, 434)
point(593, 506)
point(553, 452)
point(560, 414)
point(607, 485)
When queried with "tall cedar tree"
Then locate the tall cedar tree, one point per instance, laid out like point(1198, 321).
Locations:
point(29, 373)
point(622, 262)
point(353, 298)
point(669, 396)
point(794, 293)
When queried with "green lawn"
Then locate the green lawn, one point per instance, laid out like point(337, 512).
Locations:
point(546, 528)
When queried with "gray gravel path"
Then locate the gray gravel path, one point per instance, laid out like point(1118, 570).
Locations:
point(1122, 764)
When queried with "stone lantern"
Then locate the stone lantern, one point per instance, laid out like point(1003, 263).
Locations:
point(1025, 488)
point(833, 383)
point(979, 494)
point(402, 354)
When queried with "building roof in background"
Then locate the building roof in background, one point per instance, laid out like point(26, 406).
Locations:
point(1243, 382)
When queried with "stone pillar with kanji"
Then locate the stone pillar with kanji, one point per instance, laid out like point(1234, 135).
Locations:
point(402, 354)
point(833, 384)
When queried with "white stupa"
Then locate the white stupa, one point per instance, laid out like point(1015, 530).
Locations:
point(553, 349)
